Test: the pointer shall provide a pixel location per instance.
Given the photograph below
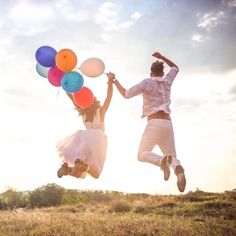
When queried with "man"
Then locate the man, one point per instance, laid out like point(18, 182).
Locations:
point(159, 130)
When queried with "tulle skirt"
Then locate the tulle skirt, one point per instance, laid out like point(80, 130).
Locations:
point(87, 145)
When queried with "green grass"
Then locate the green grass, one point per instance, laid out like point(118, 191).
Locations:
point(195, 213)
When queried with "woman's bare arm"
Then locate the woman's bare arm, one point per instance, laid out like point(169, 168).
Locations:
point(107, 101)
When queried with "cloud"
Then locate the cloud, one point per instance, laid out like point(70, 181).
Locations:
point(233, 90)
point(232, 94)
point(106, 37)
point(197, 38)
point(231, 3)
point(212, 36)
point(29, 19)
point(71, 12)
point(211, 20)
point(108, 16)
point(136, 15)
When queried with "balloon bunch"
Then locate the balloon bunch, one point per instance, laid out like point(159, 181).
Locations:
point(59, 68)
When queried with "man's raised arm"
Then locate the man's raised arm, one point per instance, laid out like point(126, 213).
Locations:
point(166, 60)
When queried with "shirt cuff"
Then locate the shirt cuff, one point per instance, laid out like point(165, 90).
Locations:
point(175, 68)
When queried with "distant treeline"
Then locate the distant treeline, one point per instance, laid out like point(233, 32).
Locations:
point(53, 195)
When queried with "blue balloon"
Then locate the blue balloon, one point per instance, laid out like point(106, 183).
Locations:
point(45, 56)
point(42, 70)
point(72, 82)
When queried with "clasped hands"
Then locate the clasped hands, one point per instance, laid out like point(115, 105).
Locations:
point(111, 77)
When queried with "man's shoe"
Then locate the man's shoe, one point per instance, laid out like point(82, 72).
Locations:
point(181, 180)
point(165, 166)
point(63, 170)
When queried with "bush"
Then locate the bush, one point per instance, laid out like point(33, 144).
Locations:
point(120, 206)
point(12, 199)
point(99, 196)
point(49, 195)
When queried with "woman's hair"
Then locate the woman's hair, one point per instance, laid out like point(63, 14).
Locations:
point(89, 111)
point(157, 67)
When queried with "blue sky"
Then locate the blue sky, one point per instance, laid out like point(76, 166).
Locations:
point(198, 35)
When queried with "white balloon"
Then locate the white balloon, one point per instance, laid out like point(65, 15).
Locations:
point(92, 67)
point(42, 70)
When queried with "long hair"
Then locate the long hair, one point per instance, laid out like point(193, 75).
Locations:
point(89, 112)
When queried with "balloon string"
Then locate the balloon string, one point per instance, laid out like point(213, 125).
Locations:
point(58, 91)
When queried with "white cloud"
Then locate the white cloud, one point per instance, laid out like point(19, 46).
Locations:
point(108, 17)
point(106, 14)
point(29, 19)
point(197, 38)
point(106, 37)
point(119, 26)
point(231, 3)
point(136, 15)
point(71, 13)
point(211, 20)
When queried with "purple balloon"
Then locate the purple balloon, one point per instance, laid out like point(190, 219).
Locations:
point(55, 76)
point(45, 56)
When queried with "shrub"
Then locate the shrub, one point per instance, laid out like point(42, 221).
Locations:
point(99, 196)
point(49, 195)
point(120, 206)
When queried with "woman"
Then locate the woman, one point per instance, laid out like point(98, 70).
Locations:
point(85, 151)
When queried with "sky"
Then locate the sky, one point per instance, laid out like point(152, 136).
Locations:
point(199, 36)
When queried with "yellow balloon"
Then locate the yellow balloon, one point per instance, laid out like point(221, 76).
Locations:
point(92, 67)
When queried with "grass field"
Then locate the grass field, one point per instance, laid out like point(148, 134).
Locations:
point(195, 213)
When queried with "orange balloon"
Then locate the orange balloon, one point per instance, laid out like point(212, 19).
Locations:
point(84, 97)
point(66, 60)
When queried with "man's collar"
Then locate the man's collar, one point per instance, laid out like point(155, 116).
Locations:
point(159, 78)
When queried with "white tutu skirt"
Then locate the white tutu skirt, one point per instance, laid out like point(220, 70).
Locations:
point(87, 145)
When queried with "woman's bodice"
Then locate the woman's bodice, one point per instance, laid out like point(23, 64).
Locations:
point(96, 123)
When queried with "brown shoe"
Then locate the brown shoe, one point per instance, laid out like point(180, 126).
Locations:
point(63, 170)
point(78, 168)
point(181, 180)
point(165, 166)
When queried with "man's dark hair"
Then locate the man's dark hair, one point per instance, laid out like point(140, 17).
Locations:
point(157, 67)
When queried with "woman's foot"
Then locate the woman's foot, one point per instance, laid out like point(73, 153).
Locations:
point(63, 170)
point(79, 168)
point(165, 166)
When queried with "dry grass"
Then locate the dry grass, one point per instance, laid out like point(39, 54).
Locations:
point(208, 214)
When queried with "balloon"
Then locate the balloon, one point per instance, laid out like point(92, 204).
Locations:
point(84, 97)
point(92, 67)
point(72, 82)
point(66, 60)
point(42, 70)
point(55, 76)
point(45, 56)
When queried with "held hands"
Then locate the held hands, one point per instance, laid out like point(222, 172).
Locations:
point(111, 78)
point(157, 55)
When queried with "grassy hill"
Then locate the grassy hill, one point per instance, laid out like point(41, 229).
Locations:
point(113, 213)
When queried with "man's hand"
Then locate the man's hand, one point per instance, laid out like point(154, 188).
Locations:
point(157, 55)
point(111, 77)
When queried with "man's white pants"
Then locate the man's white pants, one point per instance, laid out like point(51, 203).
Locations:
point(158, 132)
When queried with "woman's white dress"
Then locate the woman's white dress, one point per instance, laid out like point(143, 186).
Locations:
point(88, 145)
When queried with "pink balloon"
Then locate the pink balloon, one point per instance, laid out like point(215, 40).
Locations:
point(92, 67)
point(55, 76)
